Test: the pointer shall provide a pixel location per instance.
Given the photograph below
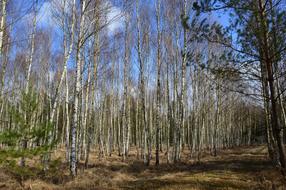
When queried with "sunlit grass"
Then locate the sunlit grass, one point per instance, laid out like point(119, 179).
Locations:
point(242, 168)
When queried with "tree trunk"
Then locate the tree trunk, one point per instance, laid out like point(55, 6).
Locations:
point(158, 95)
point(75, 123)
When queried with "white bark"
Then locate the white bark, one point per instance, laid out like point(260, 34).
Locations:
point(2, 25)
point(31, 55)
point(74, 126)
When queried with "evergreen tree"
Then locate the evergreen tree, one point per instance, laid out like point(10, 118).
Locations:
point(26, 136)
point(260, 46)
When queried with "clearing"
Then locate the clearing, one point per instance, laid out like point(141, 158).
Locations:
point(239, 168)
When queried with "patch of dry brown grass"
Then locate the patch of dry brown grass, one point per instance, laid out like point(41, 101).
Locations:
point(239, 168)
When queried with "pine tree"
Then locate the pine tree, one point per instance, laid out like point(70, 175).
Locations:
point(26, 136)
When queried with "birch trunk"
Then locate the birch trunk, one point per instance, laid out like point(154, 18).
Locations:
point(2, 26)
point(31, 54)
point(158, 94)
point(142, 88)
point(67, 53)
point(75, 123)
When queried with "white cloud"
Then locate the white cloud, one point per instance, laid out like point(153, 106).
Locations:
point(115, 18)
point(51, 75)
point(44, 15)
point(45, 11)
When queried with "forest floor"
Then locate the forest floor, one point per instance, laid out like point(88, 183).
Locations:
point(239, 168)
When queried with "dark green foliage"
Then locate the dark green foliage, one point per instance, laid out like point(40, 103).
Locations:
point(26, 136)
point(184, 20)
point(196, 6)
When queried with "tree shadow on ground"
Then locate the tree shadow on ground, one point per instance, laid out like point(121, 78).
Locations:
point(237, 171)
point(242, 168)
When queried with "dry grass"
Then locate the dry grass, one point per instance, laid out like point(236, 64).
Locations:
point(240, 168)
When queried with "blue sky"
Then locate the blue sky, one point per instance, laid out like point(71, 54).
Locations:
point(45, 19)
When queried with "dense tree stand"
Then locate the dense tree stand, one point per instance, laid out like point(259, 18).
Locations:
point(92, 88)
